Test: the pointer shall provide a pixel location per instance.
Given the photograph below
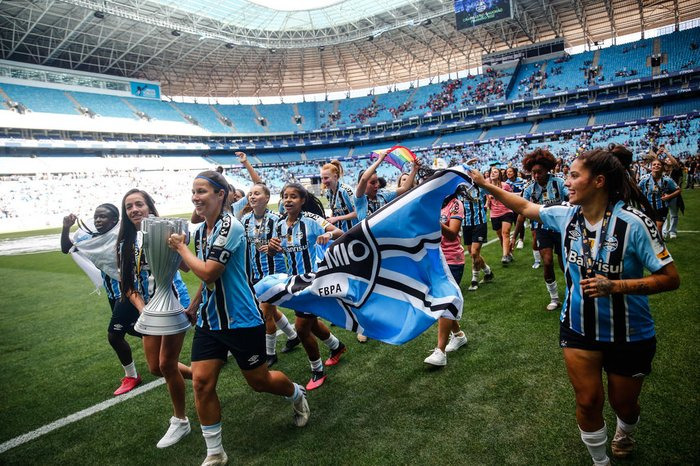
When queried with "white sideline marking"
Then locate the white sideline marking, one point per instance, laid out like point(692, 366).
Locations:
point(688, 231)
point(24, 438)
point(466, 253)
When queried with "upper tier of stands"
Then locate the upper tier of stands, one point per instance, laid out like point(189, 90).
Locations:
point(680, 51)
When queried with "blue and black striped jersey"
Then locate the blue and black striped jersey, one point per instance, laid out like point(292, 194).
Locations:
point(257, 234)
point(230, 301)
point(554, 192)
point(299, 242)
point(366, 206)
point(653, 189)
point(474, 201)
point(631, 244)
point(342, 202)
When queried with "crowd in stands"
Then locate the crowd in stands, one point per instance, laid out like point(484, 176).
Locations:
point(22, 196)
point(401, 109)
point(444, 98)
point(490, 88)
point(367, 112)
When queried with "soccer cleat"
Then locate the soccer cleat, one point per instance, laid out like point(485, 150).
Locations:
point(519, 244)
point(316, 380)
point(488, 277)
point(271, 360)
point(536, 265)
point(178, 429)
point(219, 459)
point(474, 286)
point(128, 384)
point(622, 444)
point(553, 305)
point(361, 338)
point(301, 410)
point(335, 355)
point(437, 358)
point(504, 260)
point(291, 344)
point(456, 342)
point(510, 258)
point(672, 235)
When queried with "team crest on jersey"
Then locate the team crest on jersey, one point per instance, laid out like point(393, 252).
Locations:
point(610, 243)
point(574, 234)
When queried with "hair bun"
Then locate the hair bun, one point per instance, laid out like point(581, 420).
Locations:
point(623, 154)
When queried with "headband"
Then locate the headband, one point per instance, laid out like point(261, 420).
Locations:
point(218, 185)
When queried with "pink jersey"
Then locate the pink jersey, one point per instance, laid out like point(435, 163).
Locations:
point(453, 250)
point(496, 206)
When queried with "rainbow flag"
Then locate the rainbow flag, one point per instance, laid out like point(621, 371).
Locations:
point(398, 156)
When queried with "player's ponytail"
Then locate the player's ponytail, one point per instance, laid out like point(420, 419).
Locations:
point(614, 164)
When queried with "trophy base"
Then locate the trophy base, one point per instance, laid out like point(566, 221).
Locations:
point(162, 322)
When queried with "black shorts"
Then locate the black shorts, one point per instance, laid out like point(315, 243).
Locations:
point(306, 315)
point(497, 222)
point(246, 344)
point(124, 317)
point(457, 272)
point(661, 214)
point(474, 233)
point(548, 239)
point(631, 359)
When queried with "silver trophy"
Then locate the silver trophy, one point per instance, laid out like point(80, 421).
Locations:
point(163, 315)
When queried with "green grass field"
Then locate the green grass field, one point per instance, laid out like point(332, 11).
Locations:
point(502, 399)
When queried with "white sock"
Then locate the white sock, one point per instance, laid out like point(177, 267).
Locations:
point(270, 341)
point(536, 254)
point(475, 275)
point(486, 269)
point(130, 370)
point(552, 288)
point(288, 329)
point(596, 444)
point(332, 342)
point(212, 435)
point(296, 395)
point(626, 428)
point(317, 365)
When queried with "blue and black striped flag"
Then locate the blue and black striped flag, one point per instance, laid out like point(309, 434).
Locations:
point(386, 276)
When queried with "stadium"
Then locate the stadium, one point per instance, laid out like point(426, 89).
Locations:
point(98, 97)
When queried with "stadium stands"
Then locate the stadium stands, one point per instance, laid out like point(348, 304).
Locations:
point(40, 99)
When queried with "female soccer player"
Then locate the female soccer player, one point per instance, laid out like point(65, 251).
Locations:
point(516, 183)
point(162, 352)
point(228, 319)
point(606, 323)
point(451, 216)
point(123, 318)
point(259, 226)
point(296, 234)
point(545, 189)
point(475, 231)
point(341, 199)
point(659, 190)
point(369, 197)
point(501, 216)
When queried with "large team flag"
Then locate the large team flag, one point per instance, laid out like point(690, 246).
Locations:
point(386, 276)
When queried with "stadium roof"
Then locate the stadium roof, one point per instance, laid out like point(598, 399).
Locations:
point(238, 48)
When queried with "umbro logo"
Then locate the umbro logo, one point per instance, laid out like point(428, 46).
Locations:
point(254, 359)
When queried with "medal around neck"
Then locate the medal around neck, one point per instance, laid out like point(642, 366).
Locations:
point(163, 315)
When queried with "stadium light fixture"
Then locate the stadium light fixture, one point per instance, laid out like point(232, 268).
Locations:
point(99, 15)
point(229, 45)
point(176, 33)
